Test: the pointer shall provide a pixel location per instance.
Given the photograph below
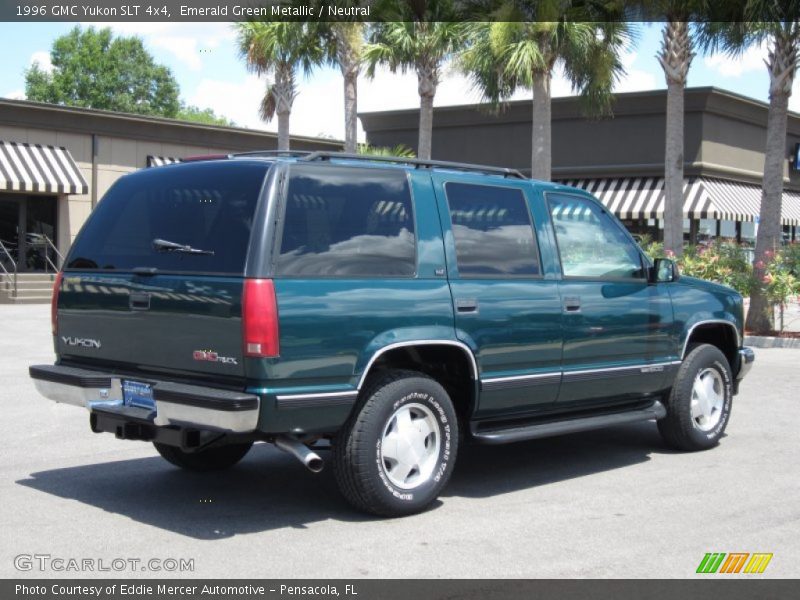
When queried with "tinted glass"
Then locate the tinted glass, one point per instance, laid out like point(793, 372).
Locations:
point(208, 206)
point(590, 242)
point(347, 222)
point(492, 229)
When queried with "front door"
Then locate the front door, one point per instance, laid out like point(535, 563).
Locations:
point(27, 229)
point(506, 309)
point(617, 327)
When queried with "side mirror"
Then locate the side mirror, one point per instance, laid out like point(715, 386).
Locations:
point(664, 270)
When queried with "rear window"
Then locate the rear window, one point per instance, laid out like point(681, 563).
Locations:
point(206, 206)
point(347, 222)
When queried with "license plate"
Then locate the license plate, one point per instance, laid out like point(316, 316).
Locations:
point(136, 393)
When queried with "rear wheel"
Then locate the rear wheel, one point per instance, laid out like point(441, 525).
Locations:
point(397, 453)
point(210, 459)
point(699, 405)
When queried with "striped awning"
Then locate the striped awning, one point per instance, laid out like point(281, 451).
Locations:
point(37, 168)
point(158, 161)
point(703, 198)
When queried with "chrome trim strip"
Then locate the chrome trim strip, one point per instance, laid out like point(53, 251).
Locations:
point(626, 368)
point(521, 377)
point(713, 322)
point(315, 396)
point(461, 345)
point(564, 373)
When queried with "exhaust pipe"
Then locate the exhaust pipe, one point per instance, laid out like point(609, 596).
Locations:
point(312, 461)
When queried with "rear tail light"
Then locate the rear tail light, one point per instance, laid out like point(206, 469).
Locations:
point(260, 319)
point(54, 302)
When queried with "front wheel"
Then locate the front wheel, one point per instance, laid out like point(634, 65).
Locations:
point(210, 459)
point(398, 451)
point(699, 405)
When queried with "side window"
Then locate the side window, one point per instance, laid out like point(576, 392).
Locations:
point(492, 230)
point(590, 242)
point(347, 222)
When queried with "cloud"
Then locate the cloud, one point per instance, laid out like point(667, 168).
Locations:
point(15, 95)
point(42, 57)
point(239, 101)
point(636, 80)
point(183, 40)
point(751, 59)
point(184, 48)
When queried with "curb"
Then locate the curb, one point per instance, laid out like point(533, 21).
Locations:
point(758, 341)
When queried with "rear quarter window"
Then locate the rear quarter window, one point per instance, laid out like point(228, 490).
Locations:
point(347, 222)
point(208, 206)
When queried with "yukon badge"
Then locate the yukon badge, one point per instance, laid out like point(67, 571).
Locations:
point(211, 356)
point(70, 340)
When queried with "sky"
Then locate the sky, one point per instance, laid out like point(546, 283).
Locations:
point(203, 58)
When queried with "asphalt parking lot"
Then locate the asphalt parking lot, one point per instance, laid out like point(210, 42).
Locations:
point(613, 503)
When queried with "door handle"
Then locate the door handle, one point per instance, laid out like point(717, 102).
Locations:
point(467, 306)
point(572, 304)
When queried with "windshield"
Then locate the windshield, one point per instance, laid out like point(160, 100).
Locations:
point(203, 205)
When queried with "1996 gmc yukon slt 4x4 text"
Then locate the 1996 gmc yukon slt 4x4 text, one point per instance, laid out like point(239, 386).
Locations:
point(395, 308)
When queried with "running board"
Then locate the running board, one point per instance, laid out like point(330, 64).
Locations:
point(540, 430)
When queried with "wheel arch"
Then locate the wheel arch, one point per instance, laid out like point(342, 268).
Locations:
point(718, 332)
point(450, 362)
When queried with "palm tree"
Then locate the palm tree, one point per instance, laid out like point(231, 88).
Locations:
point(399, 151)
point(425, 36)
point(675, 57)
point(344, 47)
point(508, 55)
point(778, 25)
point(279, 48)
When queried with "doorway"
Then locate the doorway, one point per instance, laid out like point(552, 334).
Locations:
point(27, 229)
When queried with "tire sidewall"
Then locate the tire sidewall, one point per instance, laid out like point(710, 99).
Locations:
point(431, 395)
point(707, 357)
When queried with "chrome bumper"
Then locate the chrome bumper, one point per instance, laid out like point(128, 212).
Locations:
point(746, 359)
point(176, 404)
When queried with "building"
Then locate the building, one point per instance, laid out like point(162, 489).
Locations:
point(621, 159)
point(56, 162)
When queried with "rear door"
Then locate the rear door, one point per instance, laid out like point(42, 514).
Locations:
point(506, 306)
point(132, 302)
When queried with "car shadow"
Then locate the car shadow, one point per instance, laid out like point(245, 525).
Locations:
point(270, 490)
point(483, 471)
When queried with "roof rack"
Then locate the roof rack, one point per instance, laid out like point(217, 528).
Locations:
point(290, 153)
point(416, 162)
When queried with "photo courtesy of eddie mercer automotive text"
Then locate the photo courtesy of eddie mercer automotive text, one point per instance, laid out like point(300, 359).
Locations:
point(378, 314)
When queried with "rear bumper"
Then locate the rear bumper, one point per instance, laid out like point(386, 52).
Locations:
point(180, 405)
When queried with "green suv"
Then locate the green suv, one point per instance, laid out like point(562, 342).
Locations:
point(383, 310)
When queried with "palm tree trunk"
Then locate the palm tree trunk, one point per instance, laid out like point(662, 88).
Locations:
point(283, 130)
point(350, 110)
point(782, 65)
point(427, 81)
point(541, 131)
point(675, 58)
point(673, 170)
point(425, 127)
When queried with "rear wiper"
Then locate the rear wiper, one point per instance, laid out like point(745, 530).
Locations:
point(166, 246)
